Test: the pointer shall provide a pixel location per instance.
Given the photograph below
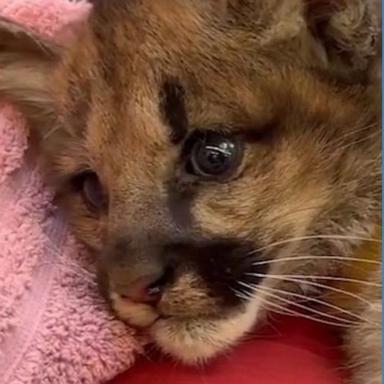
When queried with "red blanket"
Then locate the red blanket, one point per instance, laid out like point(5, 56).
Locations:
point(290, 351)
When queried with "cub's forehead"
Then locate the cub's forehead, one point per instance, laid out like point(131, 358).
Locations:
point(193, 36)
point(137, 44)
point(149, 26)
point(157, 13)
point(115, 74)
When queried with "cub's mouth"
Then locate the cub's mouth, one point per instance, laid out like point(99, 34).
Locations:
point(192, 340)
point(196, 302)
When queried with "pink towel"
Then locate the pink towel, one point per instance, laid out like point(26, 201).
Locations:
point(54, 326)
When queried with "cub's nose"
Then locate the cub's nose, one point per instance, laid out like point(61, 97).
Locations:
point(138, 271)
point(146, 289)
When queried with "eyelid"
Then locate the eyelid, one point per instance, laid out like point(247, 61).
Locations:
point(249, 133)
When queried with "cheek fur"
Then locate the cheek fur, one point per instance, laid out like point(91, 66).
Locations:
point(89, 228)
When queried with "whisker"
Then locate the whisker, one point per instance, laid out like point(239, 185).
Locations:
point(290, 312)
point(351, 133)
point(318, 301)
point(371, 136)
point(75, 269)
point(248, 296)
point(330, 278)
point(323, 315)
point(284, 310)
point(315, 237)
point(242, 295)
point(303, 258)
point(313, 284)
point(306, 308)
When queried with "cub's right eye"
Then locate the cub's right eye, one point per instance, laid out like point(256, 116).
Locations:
point(89, 186)
point(214, 155)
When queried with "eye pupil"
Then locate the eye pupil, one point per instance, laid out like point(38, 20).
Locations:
point(213, 160)
point(214, 155)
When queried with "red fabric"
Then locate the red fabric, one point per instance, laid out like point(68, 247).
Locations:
point(292, 351)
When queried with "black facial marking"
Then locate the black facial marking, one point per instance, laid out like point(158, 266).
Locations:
point(227, 266)
point(172, 107)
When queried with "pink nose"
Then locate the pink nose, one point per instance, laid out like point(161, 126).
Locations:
point(146, 289)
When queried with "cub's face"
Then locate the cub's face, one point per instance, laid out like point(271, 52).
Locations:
point(207, 158)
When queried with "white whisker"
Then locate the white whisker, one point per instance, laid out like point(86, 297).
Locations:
point(304, 258)
point(298, 305)
point(342, 138)
point(284, 310)
point(291, 312)
point(317, 301)
point(313, 284)
point(315, 237)
point(312, 310)
point(371, 136)
point(330, 278)
point(242, 295)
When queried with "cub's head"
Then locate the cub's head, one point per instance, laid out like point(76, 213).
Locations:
point(210, 153)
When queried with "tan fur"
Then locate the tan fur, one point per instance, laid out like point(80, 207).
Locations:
point(363, 342)
point(298, 76)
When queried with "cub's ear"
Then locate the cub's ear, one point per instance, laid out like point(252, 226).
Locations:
point(349, 32)
point(26, 64)
point(343, 37)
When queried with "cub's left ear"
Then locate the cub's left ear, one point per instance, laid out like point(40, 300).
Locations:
point(340, 37)
point(26, 63)
point(349, 32)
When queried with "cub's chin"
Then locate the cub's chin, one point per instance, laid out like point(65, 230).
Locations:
point(192, 341)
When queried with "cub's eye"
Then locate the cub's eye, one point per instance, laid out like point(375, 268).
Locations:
point(214, 155)
point(89, 185)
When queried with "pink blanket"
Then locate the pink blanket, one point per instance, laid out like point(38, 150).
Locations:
point(54, 327)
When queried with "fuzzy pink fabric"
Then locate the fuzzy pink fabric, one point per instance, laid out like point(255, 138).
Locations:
point(54, 326)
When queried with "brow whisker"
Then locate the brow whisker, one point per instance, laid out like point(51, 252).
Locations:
point(341, 139)
point(371, 136)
